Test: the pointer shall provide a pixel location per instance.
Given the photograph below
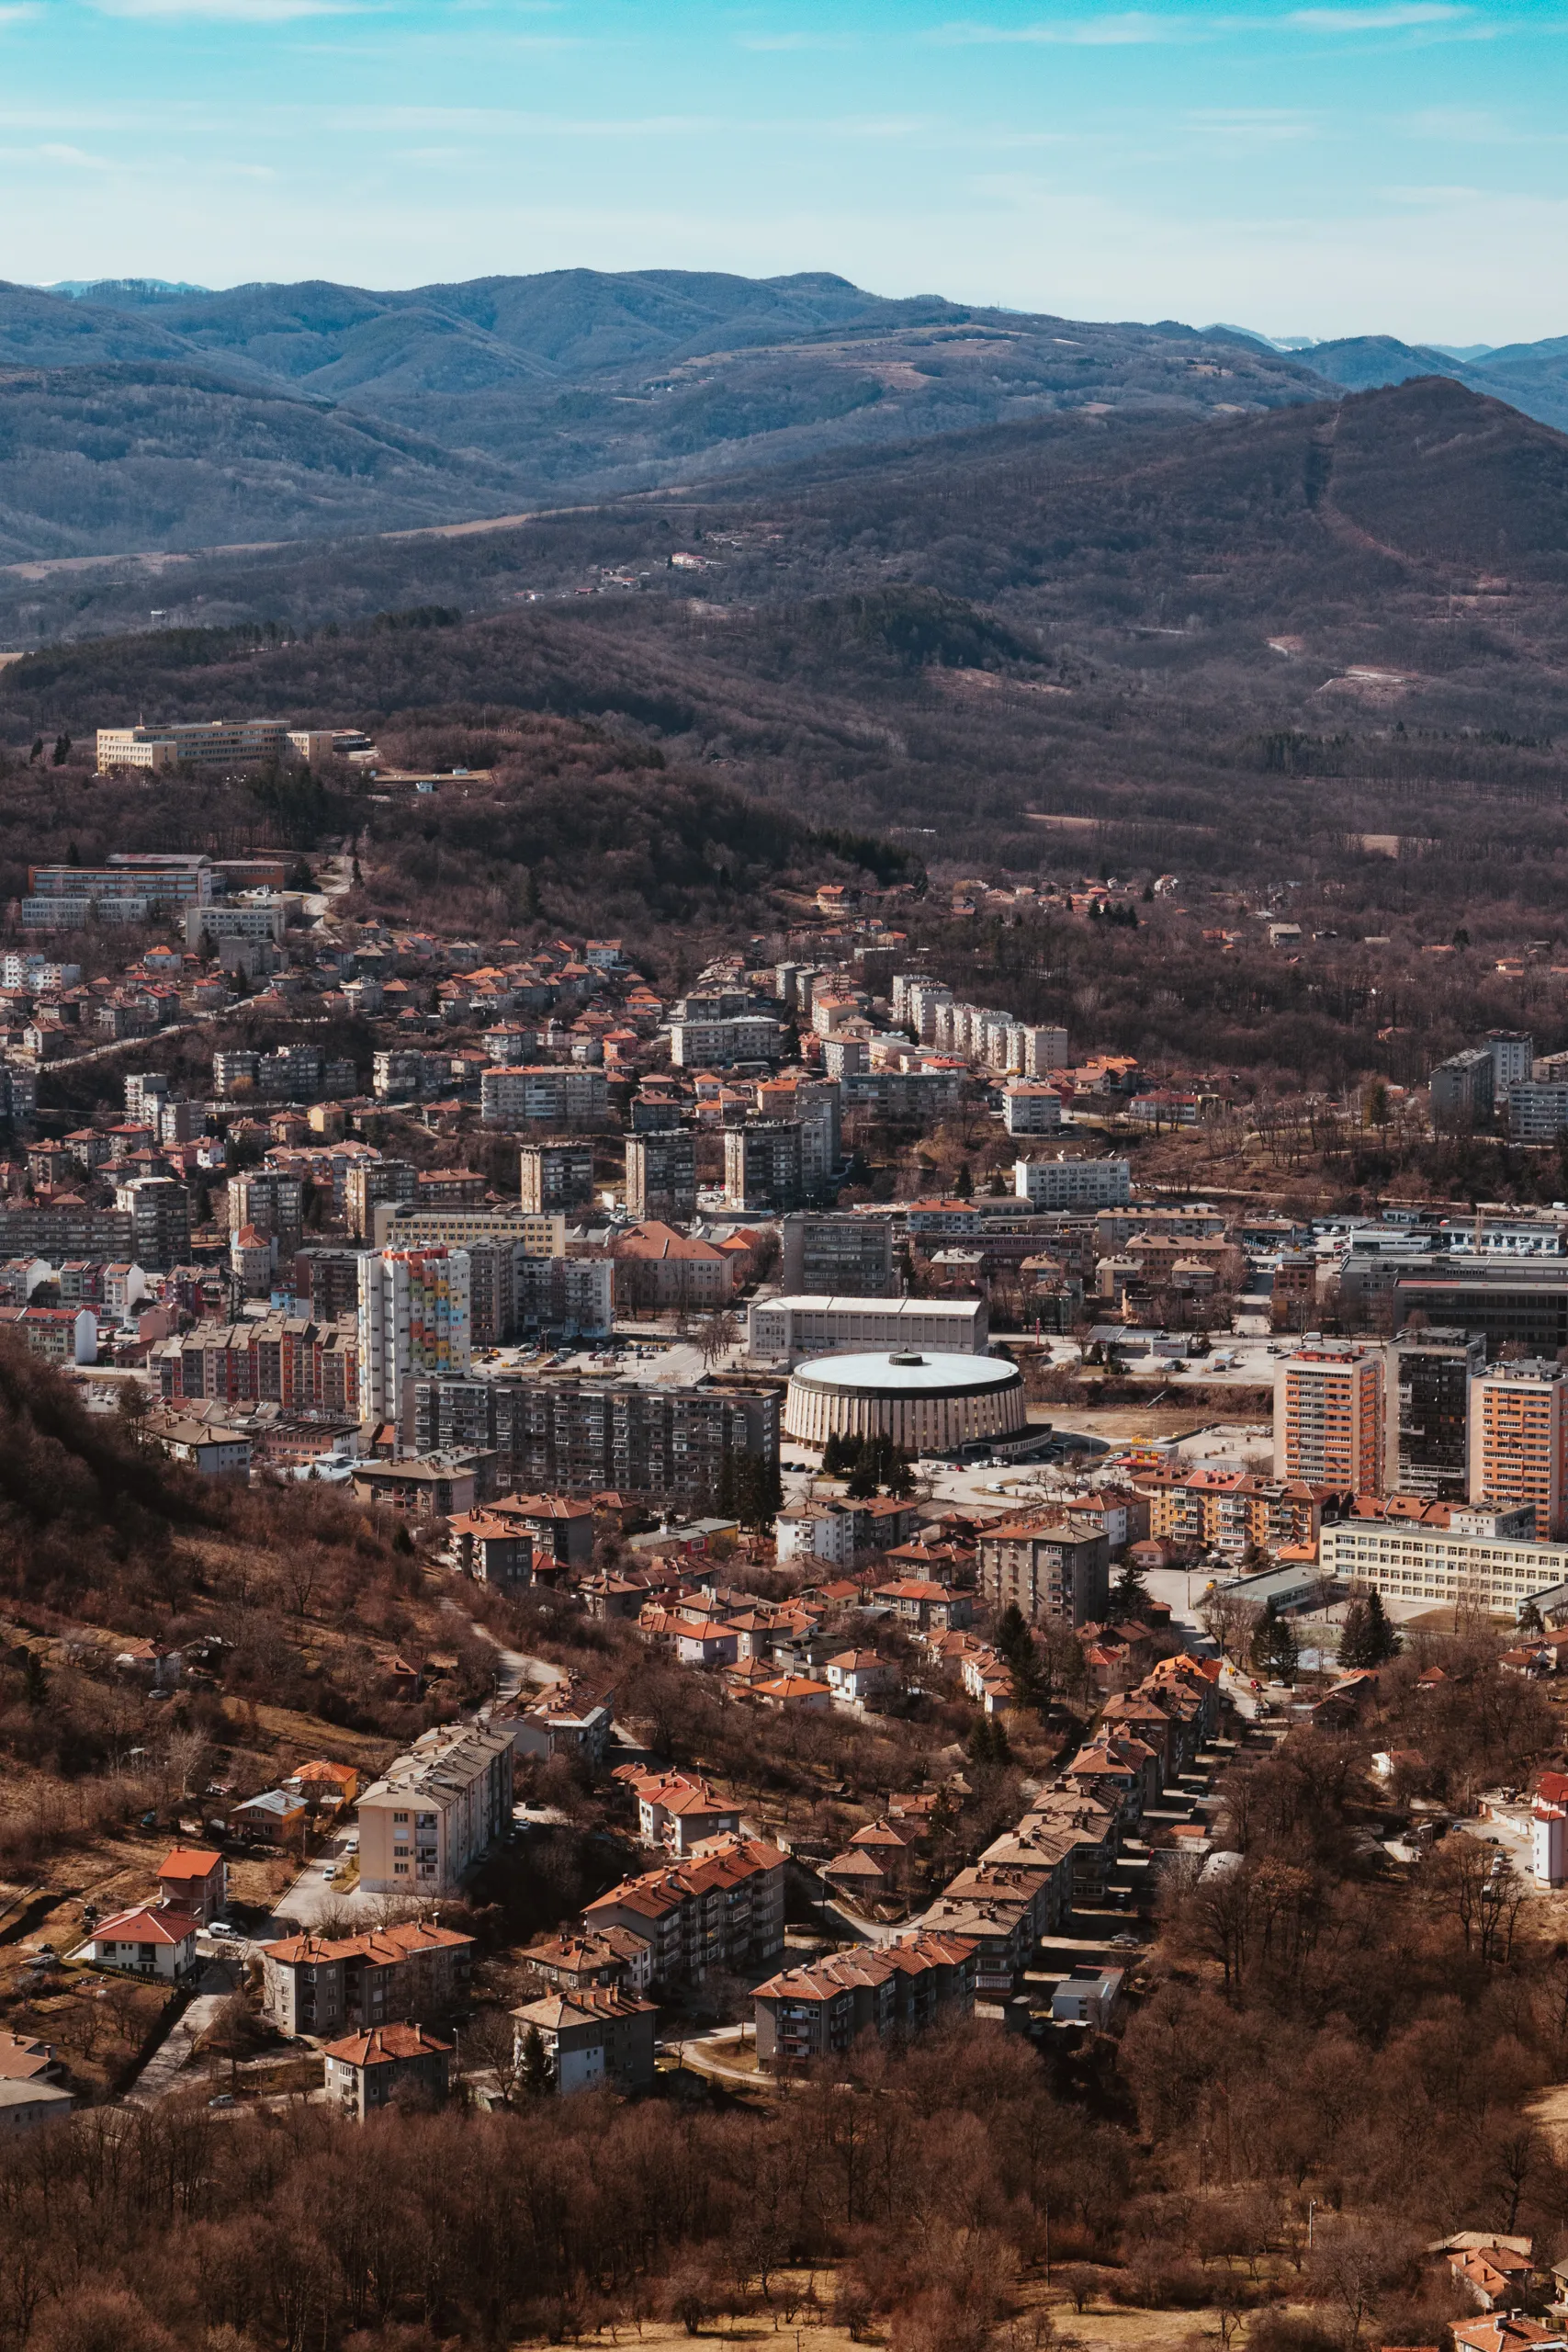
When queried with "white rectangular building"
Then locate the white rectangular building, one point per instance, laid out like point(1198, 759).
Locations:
point(1073, 1183)
point(1031, 1108)
point(1480, 1560)
point(784, 1331)
point(207, 743)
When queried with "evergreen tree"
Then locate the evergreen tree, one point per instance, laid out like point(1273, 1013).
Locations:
point(1367, 1639)
point(900, 1478)
point(1013, 1636)
point(535, 2075)
point(726, 1497)
point(963, 1183)
point(1275, 1649)
point(1530, 1620)
point(861, 1487)
point(987, 1746)
point(1129, 1594)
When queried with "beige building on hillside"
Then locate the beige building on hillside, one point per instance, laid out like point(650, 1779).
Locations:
point(435, 1810)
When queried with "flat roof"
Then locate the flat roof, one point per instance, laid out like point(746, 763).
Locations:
point(906, 1372)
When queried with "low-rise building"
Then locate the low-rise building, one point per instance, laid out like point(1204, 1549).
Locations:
point(146, 1941)
point(193, 1879)
point(365, 2071)
point(820, 2011)
point(320, 1985)
point(26, 2106)
point(564, 1718)
point(784, 1331)
point(595, 2035)
point(577, 1959)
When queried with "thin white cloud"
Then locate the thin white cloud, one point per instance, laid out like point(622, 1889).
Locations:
point(20, 13)
point(77, 158)
point(791, 44)
point(1400, 16)
point(1127, 30)
point(227, 12)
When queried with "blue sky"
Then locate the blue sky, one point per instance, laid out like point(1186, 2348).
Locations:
point(1321, 169)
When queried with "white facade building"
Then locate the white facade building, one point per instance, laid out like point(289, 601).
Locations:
point(1482, 1559)
point(1073, 1183)
point(1031, 1108)
point(783, 1330)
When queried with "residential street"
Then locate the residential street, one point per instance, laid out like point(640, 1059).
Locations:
point(160, 2076)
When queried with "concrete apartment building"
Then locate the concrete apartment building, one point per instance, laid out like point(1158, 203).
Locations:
point(555, 1176)
point(1329, 1416)
point(832, 1255)
point(372, 1184)
point(414, 1323)
point(159, 1208)
point(364, 2071)
point(722, 1909)
point(763, 1165)
point(573, 1438)
point(1055, 1567)
point(1463, 1086)
point(435, 1810)
point(1427, 1442)
point(1073, 1183)
point(320, 1985)
point(592, 2035)
point(661, 1176)
point(549, 1094)
point(820, 2011)
point(1029, 1107)
point(784, 1331)
point(1518, 1442)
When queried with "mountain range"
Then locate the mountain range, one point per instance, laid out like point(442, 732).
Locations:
point(135, 415)
point(138, 416)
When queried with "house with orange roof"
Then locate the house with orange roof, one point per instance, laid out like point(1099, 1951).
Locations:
point(147, 1940)
point(323, 1783)
point(364, 2071)
point(193, 1879)
point(800, 1693)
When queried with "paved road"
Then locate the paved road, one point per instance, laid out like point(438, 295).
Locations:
point(160, 2076)
point(514, 1667)
point(313, 1893)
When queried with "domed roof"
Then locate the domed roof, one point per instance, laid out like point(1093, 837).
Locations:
point(905, 1372)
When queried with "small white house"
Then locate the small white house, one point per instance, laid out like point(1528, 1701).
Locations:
point(859, 1674)
point(1088, 2000)
point(146, 1942)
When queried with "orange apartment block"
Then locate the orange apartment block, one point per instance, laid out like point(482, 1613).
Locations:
point(1329, 1415)
point(1518, 1442)
point(1227, 1510)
